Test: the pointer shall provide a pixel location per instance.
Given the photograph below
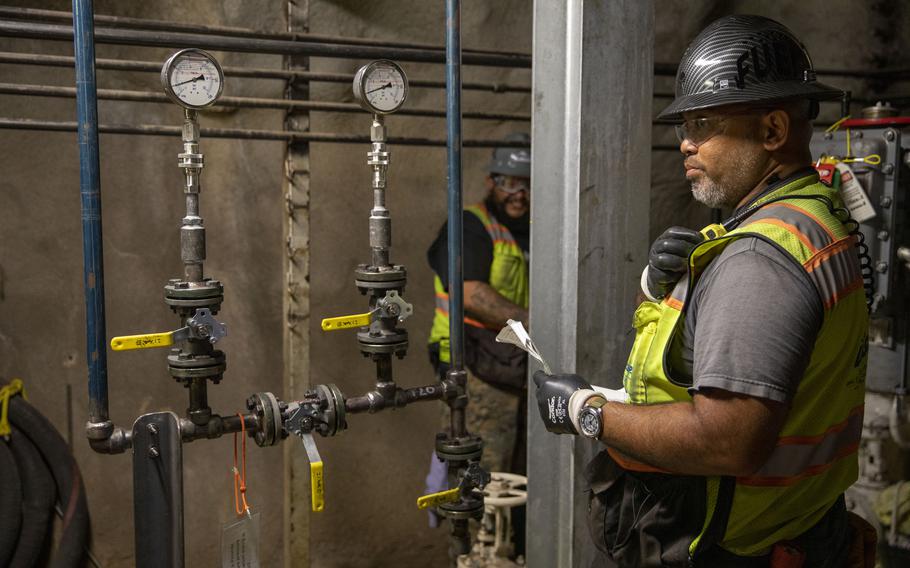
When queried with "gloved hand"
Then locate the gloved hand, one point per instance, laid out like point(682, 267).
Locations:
point(553, 395)
point(668, 260)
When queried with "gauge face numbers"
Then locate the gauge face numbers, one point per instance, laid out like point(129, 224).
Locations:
point(192, 78)
point(381, 87)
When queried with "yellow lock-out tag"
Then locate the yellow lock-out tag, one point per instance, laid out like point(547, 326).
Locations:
point(346, 322)
point(713, 231)
point(317, 486)
point(146, 341)
point(435, 499)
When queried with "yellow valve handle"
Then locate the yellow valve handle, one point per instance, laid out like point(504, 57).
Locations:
point(346, 322)
point(435, 499)
point(317, 480)
point(317, 486)
point(145, 341)
point(713, 231)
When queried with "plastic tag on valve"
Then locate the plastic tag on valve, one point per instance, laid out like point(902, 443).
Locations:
point(855, 197)
point(240, 542)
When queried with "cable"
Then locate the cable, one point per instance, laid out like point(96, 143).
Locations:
point(240, 475)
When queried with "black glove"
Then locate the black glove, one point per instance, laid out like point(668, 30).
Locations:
point(553, 394)
point(669, 259)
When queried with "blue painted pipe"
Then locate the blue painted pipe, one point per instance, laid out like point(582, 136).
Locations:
point(90, 193)
point(456, 206)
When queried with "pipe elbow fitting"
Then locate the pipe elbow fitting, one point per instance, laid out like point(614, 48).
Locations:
point(117, 442)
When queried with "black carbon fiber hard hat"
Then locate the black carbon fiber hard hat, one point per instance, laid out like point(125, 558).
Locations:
point(744, 59)
point(509, 161)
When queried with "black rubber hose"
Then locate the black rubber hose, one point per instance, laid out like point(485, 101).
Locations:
point(10, 504)
point(70, 491)
point(38, 498)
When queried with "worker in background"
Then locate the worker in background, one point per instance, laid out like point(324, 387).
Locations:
point(746, 378)
point(496, 278)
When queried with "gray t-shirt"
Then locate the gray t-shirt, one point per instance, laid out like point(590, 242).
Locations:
point(750, 325)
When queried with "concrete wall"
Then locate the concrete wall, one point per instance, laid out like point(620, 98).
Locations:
point(42, 321)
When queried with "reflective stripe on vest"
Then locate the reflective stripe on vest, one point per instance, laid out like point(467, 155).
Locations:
point(508, 276)
point(814, 459)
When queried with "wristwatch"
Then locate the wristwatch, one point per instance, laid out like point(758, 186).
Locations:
point(590, 418)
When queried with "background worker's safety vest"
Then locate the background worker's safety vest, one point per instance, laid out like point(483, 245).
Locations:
point(815, 458)
point(508, 276)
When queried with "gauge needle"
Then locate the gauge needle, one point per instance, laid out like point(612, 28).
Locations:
point(386, 86)
point(201, 76)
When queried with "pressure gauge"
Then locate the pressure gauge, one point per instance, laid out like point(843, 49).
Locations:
point(192, 78)
point(381, 87)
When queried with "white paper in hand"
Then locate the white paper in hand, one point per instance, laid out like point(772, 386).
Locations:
point(514, 332)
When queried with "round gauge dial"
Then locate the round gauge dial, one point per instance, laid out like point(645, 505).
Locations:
point(192, 78)
point(381, 87)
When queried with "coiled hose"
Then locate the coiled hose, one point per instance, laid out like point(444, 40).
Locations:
point(38, 497)
point(38, 464)
point(10, 504)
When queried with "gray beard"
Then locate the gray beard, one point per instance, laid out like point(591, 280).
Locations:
point(737, 184)
point(713, 194)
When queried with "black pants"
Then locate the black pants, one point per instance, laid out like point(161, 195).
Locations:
point(644, 520)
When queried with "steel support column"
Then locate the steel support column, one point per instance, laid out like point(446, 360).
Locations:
point(591, 140)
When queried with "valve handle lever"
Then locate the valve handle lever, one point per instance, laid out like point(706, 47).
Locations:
point(201, 326)
point(317, 481)
point(436, 499)
point(347, 322)
point(149, 340)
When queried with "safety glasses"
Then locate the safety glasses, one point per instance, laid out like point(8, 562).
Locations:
point(512, 185)
point(699, 130)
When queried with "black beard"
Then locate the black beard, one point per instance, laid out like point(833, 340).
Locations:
point(514, 224)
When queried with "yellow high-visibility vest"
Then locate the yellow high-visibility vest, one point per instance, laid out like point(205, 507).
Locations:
point(508, 276)
point(815, 458)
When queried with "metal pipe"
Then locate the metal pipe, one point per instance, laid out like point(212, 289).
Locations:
point(192, 229)
point(195, 28)
point(238, 133)
point(100, 425)
point(253, 45)
point(217, 426)
point(249, 72)
point(455, 204)
point(243, 102)
point(375, 401)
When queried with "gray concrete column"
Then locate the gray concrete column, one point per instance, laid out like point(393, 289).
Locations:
point(591, 152)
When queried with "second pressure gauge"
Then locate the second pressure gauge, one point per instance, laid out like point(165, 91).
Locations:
point(381, 87)
point(192, 78)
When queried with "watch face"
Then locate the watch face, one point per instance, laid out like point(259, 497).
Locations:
point(589, 422)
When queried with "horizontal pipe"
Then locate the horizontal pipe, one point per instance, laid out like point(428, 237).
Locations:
point(217, 426)
point(374, 401)
point(121, 440)
point(243, 102)
point(239, 133)
point(12, 28)
point(164, 25)
point(248, 72)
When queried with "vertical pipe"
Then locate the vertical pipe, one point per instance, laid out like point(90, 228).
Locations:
point(453, 156)
point(90, 192)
